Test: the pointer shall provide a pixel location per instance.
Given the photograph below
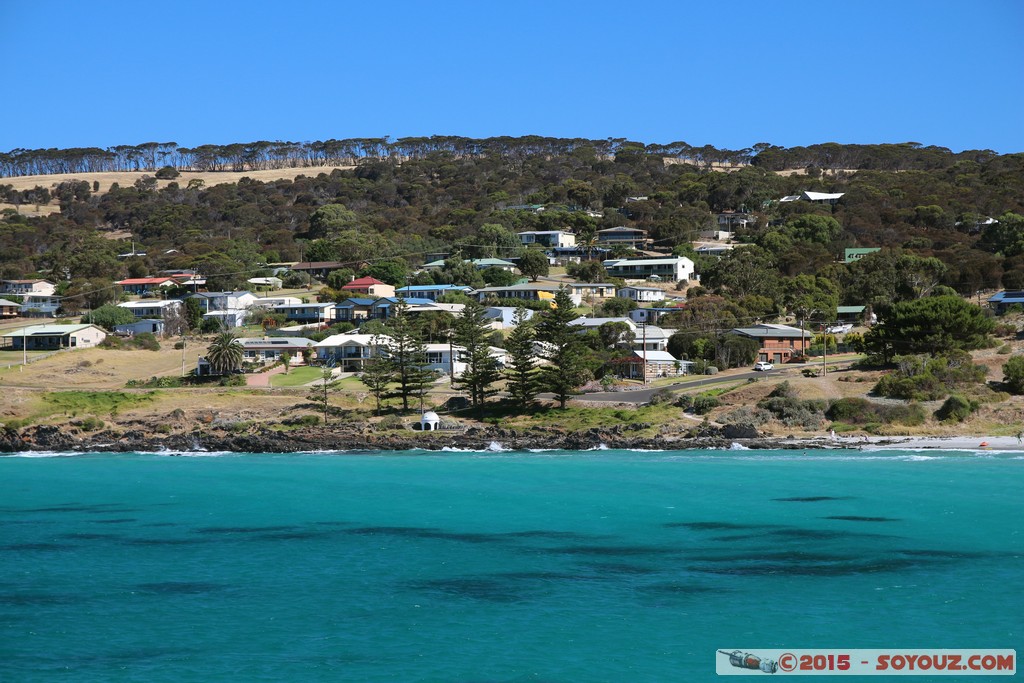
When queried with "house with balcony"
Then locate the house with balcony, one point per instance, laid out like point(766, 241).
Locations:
point(369, 286)
point(622, 236)
point(651, 365)
point(852, 255)
point(652, 315)
point(643, 295)
point(530, 291)
point(322, 313)
point(382, 309)
point(27, 287)
point(318, 270)
point(144, 286)
point(156, 309)
point(779, 343)
point(593, 290)
point(478, 263)
point(224, 301)
point(9, 309)
point(503, 317)
point(40, 305)
point(548, 239)
point(351, 351)
point(353, 310)
point(669, 269)
point(450, 360)
point(432, 292)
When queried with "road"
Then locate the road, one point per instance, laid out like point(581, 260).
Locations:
point(644, 395)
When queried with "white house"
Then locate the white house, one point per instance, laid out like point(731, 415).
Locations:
point(642, 294)
point(432, 292)
point(53, 337)
point(351, 351)
point(24, 287)
point(40, 305)
point(269, 349)
point(671, 269)
point(503, 317)
point(271, 301)
point(151, 325)
point(160, 309)
point(533, 291)
point(308, 313)
point(224, 301)
point(268, 282)
point(439, 358)
point(548, 238)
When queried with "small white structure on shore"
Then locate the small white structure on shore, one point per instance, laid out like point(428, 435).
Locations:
point(429, 421)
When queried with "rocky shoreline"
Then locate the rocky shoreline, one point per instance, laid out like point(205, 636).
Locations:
point(145, 438)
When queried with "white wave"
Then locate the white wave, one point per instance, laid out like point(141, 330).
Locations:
point(738, 447)
point(41, 454)
point(495, 447)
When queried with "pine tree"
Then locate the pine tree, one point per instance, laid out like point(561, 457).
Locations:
point(521, 371)
point(377, 375)
point(318, 392)
point(564, 349)
point(406, 356)
point(472, 333)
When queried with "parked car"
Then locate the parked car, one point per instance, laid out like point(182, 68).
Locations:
point(763, 365)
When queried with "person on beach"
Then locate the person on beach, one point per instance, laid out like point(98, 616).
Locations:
point(832, 433)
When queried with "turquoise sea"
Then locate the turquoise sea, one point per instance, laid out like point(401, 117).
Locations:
point(497, 566)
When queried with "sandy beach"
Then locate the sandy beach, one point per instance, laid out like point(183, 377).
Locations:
point(957, 443)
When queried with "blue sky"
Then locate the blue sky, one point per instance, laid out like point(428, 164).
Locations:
point(726, 73)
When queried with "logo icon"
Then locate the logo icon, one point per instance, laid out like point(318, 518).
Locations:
point(745, 660)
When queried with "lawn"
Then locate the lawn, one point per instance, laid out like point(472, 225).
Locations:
point(296, 377)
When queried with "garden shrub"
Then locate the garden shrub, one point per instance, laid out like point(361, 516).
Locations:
point(705, 404)
point(921, 378)
point(956, 409)
point(391, 422)
point(747, 415)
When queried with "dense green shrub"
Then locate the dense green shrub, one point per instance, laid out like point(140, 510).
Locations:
point(661, 397)
point(746, 415)
point(783, 390)
point(921, 378)
point(1013, 374)
point(863, 412)
point(705, 404)
point(302, 421)
point(793, 412)
point(685, 402)
point(391, 422)
point(956, 409)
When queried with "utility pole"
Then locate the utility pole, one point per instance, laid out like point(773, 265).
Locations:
point(824, 348)
point(643, 328)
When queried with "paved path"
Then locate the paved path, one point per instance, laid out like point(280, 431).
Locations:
point(262, 379)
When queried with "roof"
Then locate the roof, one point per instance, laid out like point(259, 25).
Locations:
point(145, 281)
point(644, 289)
point(850, 309)
point(217, 295)
point(356, 301)
point(597, 322)
point(614, 263)
point(775, 331)
point(48, 330)
point(822, 196)
point(524, 287)
point(316, 265)
point(657, 356)
point(275, 342)
point(25, 282)
point(1010, 296)
point(622, 228)
point(357, 339)
point(431, 288)
point(5, 302)
point(162, 303)
point(359, 283)
point(409, 301)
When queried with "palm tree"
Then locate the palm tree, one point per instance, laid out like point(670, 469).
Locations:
point(225, 354)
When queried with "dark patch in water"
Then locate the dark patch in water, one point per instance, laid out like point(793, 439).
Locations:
point(811, 499)
point(181, 587)
point(488, 590)
point(782, 556)
point(858, 518)
point(555, 535)
point(164, 541)
point(620, 568)
point(802, 534)
point(242, 529)
point(541, 576)
point(800, 569)
point(948, 554)
point(34, 599)
point(717, 526)
point(89, 537)
point(333, 523)
point(96, 508)
point(424, 532)
point(36, 546)
point(609, 550)
point(292, 535)
point(123, 520)
point(676, 588)
point(154, 524)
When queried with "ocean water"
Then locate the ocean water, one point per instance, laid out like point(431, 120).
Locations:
point(496, 566)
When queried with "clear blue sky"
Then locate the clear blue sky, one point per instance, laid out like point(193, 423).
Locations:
point(726, 73)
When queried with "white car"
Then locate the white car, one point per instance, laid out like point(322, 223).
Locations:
point(763, 365)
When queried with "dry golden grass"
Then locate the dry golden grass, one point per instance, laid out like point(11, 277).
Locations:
point(128, 178)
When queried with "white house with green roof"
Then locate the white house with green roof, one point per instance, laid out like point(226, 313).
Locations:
point(53, 337)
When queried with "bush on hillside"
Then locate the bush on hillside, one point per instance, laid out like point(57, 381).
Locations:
point(956, 409)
